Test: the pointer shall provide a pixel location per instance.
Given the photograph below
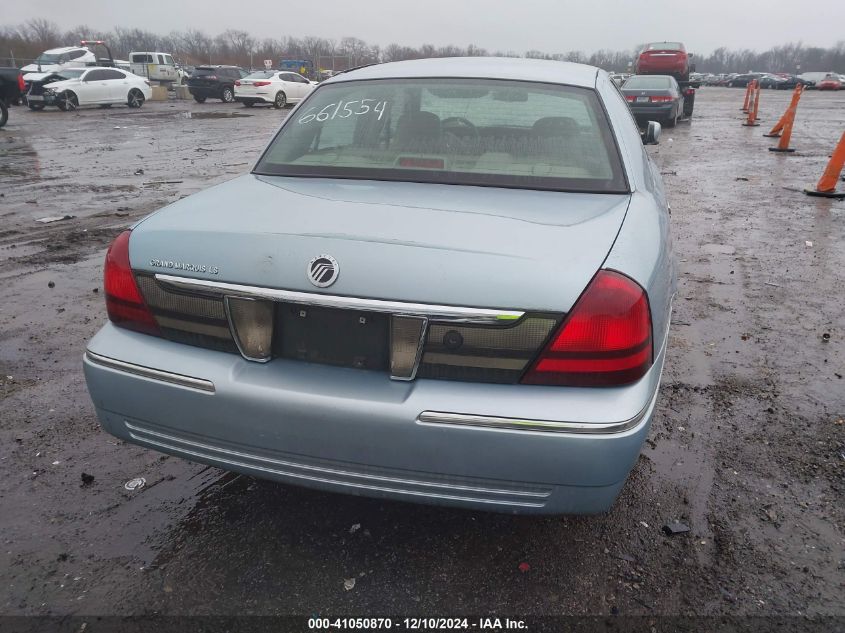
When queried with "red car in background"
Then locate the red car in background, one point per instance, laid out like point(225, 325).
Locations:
point(831, 82)
point(665, 58)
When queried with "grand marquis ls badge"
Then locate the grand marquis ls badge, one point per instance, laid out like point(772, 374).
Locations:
point(323, 271)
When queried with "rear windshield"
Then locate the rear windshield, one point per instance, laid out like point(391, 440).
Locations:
point(456, 131)
point(665, 46)
point(261, 74)
point(204, 71)
point(50, 58)
point(142, 58)
point(645, 82)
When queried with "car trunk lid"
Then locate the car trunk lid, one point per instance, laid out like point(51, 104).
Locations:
point(424, 243)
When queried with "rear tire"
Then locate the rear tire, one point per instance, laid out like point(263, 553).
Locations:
point(227, 95)
point(68, 101)
point(672, 121)
point(135, 98)
point(199, 99)
point(280, 101)
point(689, 104)
point(4, 113)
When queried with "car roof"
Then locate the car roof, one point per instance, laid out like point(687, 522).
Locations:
point(93, 68)
point(65, 49)
point(668, 77)
point(540, 70)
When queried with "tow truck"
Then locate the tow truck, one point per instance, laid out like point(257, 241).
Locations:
point(670, 58)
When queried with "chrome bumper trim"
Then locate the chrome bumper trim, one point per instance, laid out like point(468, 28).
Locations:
point(334, 476)
point(518, 424)
point(438, 312)
point(148, 372)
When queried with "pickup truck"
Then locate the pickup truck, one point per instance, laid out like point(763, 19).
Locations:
point(11, 88)
point(155, 66)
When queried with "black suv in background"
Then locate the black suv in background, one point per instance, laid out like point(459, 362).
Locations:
point(217, 82)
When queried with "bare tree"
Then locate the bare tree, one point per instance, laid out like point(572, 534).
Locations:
point(42, 32)
point(356, 49)
point(196, 46)
point(313, 47)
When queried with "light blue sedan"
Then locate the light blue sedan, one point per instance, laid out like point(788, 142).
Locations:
point(444, 281)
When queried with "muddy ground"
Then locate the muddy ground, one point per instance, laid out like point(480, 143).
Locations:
point(747, 446)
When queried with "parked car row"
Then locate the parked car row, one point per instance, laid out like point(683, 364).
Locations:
point(777, 81)
point(231, 83)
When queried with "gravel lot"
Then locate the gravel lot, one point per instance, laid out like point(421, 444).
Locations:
point(747, 446)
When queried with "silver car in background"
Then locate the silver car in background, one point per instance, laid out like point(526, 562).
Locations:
point(445, 281)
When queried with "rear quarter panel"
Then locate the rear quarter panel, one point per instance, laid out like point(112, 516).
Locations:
point(643, 249)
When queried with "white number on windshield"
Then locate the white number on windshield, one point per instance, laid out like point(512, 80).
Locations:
point(344, 110)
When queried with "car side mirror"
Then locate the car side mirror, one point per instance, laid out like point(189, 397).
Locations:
point(651, 135)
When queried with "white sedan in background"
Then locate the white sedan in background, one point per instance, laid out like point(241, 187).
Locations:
point(273, 86)
point(101, 86)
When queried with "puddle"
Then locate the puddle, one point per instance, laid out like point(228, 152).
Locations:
point(214, 115)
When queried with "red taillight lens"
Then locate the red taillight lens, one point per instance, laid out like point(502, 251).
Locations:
point(631, 98)
point(604, 341)
point(261, 83)
point(237, 83)
point(21, 83)
point(124, 302)
point(661, 99)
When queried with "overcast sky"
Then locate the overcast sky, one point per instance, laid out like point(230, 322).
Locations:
point(547, 25)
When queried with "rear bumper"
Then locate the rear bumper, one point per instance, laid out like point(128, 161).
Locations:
point(652, 112)
point(664, 65)
point(254, 98)
point(46, 99)
point(212, 92)
point(358, 432)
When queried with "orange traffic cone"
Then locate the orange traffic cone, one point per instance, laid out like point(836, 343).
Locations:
point(752, 110)
point(778, 128)
point(788, 119)
point(826, 186)
point(747, 96)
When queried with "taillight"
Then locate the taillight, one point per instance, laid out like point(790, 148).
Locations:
point(21, 83)
point(261, 83)
point(661, 99)
point(604, 341)
point(237, 83)
point(631, 98)
point(124, 303)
